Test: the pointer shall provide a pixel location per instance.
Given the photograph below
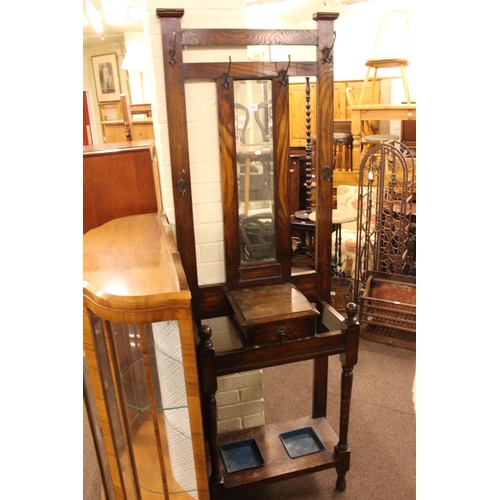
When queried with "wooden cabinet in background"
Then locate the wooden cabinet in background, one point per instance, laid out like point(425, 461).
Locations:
point(122, 121)
point(409, 133)
point(341, 109)
point(119, 179)
point(114, 131)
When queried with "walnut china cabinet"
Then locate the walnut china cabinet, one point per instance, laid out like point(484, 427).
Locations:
point(141, 361)
point(280, 317)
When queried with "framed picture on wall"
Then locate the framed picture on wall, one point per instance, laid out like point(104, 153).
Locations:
point(111, 111)
point(106, 77)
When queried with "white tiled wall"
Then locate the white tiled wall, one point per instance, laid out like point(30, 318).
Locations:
point(239, 396)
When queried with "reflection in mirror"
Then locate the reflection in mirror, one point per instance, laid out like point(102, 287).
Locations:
point(254, 152)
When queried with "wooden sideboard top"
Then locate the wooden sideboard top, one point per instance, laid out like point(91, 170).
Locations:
point(133, 263)
point(118, 146)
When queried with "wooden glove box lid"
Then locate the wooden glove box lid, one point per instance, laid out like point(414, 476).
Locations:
point(272, 314)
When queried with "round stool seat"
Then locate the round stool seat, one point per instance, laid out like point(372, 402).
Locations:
point(341, 139)
point(379, 138)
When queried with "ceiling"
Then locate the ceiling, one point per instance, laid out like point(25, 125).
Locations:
point(116, 17)
point(120, 16)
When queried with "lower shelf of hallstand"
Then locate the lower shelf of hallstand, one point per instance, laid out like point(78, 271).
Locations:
point(277, 463)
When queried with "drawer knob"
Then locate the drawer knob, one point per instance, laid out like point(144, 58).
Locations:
point(281, 334)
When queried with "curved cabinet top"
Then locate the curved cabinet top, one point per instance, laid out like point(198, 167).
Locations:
point(131, 267)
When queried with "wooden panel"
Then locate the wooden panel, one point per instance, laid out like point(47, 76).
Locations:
point(114, 131)
point(246, 70)
point(322, 344)
point(324, 151)
point(356, 86)
point(118, 180)
point(341, 111)
point(213, 37)
point(282, 208)
point(409, 133)
point(297, 94)
point(339, 101)
point(179, 153)
point(87, 136)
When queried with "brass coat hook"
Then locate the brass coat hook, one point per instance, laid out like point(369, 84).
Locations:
point(282, 73)
point(328, 51)
point(171, 53)
point(225, 76)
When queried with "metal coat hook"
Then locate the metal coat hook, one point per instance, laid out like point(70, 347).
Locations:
point(327, 173)
point(282, 73)
point(181, 183)
point(225, 76)
point(171, 53)
point(328, 51)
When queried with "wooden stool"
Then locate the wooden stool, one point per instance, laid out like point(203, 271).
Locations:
point(390, 51)
point(342, 150)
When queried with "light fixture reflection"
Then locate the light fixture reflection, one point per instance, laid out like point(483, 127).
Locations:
point(93, 16)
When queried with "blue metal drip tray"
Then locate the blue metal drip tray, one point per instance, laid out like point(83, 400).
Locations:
point(241, 455)
point(301, 442)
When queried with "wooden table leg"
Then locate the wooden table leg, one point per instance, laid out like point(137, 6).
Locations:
point(356, 125)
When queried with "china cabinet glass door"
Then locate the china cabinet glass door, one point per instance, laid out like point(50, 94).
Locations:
point(141, 371)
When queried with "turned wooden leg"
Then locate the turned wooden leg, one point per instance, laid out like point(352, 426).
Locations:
point(342, 449)
point(345, 407)
point(208, 387)
point(348, 360)
point(340, 484)
point(356, 125)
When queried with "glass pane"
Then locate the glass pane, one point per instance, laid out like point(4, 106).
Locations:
point(104, 361)
point(171, 401)
point(138, 416)
point(254, 152)
point(145, 439)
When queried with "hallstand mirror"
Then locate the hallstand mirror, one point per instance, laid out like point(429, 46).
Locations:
point(254, 153)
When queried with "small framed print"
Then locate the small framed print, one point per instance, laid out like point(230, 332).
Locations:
point(111, 111)
point(106, 77)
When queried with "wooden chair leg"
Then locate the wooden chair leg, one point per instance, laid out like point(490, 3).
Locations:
point(374, 82)
point(405, 83)
point(340, 160)
point(365, 86)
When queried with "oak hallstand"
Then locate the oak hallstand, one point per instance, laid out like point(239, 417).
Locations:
point(261, 296)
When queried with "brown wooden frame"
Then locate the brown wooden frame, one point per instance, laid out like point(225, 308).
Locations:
point(334, 335)
point(209, 301)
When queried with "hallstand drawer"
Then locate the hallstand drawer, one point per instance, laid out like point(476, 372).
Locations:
point(272, 314)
